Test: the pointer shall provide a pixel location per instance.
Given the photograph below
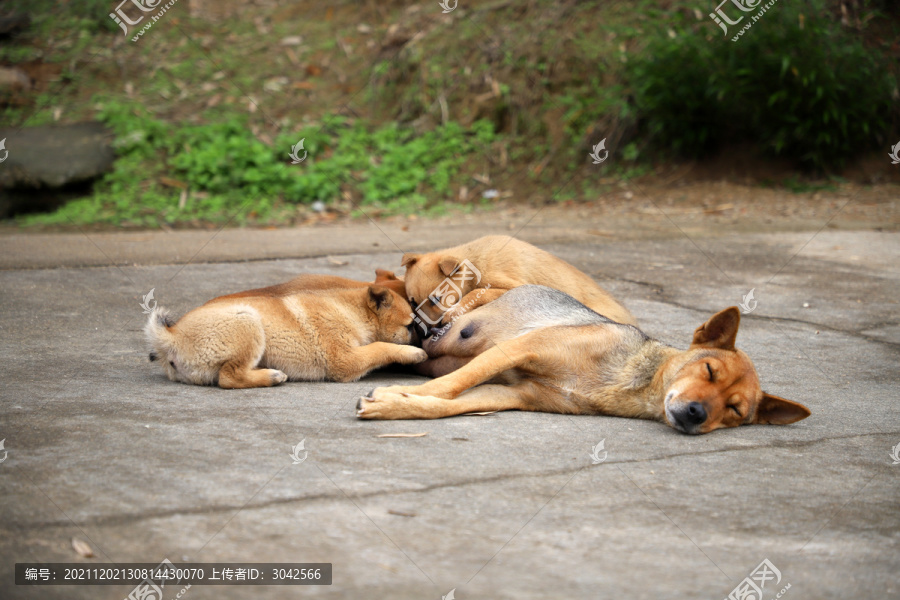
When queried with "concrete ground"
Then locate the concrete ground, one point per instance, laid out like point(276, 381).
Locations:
point(103, 448)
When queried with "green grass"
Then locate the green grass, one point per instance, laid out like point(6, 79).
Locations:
point(230, 176)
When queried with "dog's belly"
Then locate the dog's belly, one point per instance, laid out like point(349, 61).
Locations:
point(296, 365)
point(293, 345)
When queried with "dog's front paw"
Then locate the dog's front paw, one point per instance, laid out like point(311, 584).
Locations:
point(384, 404)
point(410, 355)
point(278, 377)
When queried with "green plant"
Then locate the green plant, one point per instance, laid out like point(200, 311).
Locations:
point(88, 15)
point(229, 175)
point(18, 54)
point(796, 83)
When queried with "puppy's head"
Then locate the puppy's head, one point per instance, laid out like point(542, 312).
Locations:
point(718, 386)
point(434, 284)
point(393, 315)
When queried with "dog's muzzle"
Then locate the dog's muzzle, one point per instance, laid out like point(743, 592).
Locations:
point(685, 416)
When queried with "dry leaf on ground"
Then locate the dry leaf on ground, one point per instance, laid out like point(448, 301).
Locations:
point(82, 548)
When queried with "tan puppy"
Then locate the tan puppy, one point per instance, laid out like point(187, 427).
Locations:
point(443, 285)
point(314, 281)
point(313, 328)
point(541, 350)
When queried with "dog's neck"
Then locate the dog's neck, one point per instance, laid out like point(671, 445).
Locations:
point(641, 386)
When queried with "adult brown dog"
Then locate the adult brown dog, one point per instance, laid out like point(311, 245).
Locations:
point(547, 352)
point(445, 284)
point(313, 328)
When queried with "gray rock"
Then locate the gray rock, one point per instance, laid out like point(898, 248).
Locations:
point(13, 78)
point(48, 158)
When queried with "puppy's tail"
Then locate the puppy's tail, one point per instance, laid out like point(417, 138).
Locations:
point(158, 333)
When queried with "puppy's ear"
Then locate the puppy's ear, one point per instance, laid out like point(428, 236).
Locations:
point(773, 410)
point(385, 275)
point(409, 259)
point(379, 298)
point(447, 265)
point(720, 331)
point(390, 281)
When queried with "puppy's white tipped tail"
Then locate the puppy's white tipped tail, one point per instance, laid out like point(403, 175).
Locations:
point(157, 332)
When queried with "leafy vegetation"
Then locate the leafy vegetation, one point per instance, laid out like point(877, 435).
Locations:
point(219, 172)
point(205, 111)
point(796, 84)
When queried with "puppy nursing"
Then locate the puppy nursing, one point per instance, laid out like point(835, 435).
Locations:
point(502, 263)
point(313, 328)
point(522, 330)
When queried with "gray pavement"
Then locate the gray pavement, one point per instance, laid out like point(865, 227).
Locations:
point(102, 447)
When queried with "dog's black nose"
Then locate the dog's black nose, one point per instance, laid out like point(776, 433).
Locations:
point(695, 413)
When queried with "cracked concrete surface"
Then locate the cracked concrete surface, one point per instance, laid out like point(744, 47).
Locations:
point(101, 446)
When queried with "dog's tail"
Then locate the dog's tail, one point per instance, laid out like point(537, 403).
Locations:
point(158, 333)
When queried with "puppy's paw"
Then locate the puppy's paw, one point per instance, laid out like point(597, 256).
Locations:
point(278, 377)
point(410, 355)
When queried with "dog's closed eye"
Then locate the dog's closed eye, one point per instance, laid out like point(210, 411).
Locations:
point(709, 369)
point(736, 411)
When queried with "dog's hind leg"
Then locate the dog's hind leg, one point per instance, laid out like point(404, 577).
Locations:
point(383, 404)
point(234, 375)
point(243, 355)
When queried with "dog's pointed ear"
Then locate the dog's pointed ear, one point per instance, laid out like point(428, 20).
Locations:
point(379, 298)
point(447, 265)
point(720, 331)
point(385, 275)
point(773, 410)
point(409, 259)
point(390, 281)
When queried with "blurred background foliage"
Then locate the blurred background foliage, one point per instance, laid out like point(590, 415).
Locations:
point(405, 110)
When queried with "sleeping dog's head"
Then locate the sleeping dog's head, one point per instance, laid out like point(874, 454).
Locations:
point(717, 385)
